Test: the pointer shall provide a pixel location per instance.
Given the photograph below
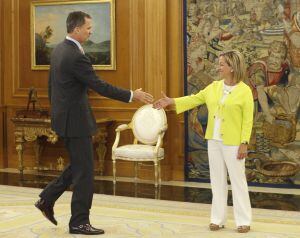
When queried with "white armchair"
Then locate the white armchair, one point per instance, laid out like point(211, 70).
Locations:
point(148, 126)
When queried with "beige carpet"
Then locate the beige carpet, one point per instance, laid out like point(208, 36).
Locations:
point(123, 217)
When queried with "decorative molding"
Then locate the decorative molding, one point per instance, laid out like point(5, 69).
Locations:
point(137, 62)
point(155, 46)
point(175, 51)
point(15, 45)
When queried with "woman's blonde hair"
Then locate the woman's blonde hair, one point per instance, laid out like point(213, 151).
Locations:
point(237, 62)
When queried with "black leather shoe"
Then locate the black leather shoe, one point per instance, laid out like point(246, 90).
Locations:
point(46, 209)
point(85, 229)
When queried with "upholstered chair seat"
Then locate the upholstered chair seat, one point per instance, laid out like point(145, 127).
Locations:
point(138, 152)
point(148, 126)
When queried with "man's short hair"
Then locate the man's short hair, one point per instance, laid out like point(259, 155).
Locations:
point(76, 19)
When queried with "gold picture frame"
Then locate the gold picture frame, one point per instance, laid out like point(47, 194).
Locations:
point(48, 28)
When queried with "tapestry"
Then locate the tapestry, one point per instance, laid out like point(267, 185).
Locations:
point(267, 33)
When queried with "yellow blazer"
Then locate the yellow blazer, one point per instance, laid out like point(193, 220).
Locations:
point(236, 113)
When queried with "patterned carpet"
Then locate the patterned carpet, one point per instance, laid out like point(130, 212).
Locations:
point(123, 217)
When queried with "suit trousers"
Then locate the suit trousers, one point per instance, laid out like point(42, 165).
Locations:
point(223, 158)
point(79, 174)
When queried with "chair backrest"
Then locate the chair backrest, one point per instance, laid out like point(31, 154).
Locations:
point(147, 122)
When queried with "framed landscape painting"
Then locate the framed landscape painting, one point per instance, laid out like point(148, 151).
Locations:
point(48, 28)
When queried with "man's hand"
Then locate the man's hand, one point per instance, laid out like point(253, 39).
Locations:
point(242, 153)
point(139, 95)
point(163, 102)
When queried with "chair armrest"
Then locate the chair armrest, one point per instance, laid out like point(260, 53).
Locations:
point(122, 127)
point(160, 138)
point(164, 129)
point(159, 143)
point(118, 130)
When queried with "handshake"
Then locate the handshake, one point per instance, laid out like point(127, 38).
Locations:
point(139, 95)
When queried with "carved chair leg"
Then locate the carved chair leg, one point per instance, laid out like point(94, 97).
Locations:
point(114, 188)
point(114, 171)
point(159, 189)
point(156, 173)
point(101, 152)
point(38, 149)
point(157, 192)
point(159, 173)
point(135, 190)
point(135, 171)
point(19, 149)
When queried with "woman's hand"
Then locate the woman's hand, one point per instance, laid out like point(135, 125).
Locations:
point(242, 152)
point(163, 102)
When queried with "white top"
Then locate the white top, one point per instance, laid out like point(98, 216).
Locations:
point(226, 91)
point(82, 51)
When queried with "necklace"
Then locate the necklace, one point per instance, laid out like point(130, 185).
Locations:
point(226, 91)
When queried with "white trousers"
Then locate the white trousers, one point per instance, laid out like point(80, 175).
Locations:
point(223, 158)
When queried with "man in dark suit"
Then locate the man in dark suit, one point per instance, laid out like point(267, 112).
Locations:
point(71, 74)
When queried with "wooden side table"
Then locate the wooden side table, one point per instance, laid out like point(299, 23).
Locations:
point(32, 129)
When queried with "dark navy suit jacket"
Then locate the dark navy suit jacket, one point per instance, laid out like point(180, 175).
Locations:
point(71, 74)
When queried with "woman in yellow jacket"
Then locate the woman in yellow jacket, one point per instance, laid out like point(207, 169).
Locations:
point(230, 118)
